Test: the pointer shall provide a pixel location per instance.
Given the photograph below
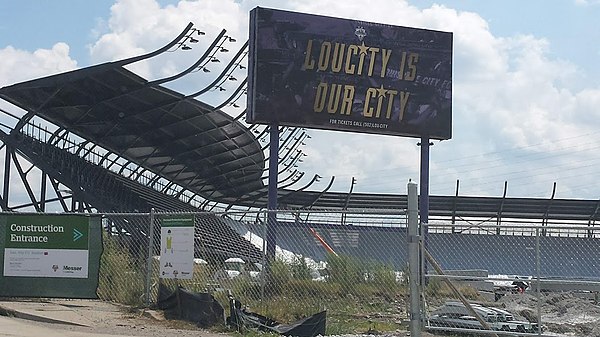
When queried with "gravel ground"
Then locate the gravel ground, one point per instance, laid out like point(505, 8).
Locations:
point(134, 324)
point(563, 314)
point(116, 320)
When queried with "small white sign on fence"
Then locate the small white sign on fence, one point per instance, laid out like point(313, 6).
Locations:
point(177, 247)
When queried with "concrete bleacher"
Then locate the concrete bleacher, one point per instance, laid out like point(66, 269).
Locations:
point(120, 198)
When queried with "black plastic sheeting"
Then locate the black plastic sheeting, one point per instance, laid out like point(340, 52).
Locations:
point(242, 319)
point(200, 308)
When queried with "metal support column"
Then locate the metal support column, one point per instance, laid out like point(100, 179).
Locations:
point(413, 261)
point(424, 200)
point(6, 182)
point(43, 192)
point(271, 237)
point(150, 257)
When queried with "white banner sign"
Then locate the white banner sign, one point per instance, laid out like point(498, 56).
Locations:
point(30, 262)
point(177, 248)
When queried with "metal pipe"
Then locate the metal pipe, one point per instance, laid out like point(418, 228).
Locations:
point(272, 193)
point(424, 200)
point(538, 290)
point(413, 261)
point(150, 255)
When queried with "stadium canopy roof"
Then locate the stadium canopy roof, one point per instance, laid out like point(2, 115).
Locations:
point(177, 137)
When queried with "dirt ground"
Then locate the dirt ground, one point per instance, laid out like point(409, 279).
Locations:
point(563, 314)
point(93, 316)
point(134, 324)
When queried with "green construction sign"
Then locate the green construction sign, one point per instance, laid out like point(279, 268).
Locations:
point(35, 232)
point(47, 255)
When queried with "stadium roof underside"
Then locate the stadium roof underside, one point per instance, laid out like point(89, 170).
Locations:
point(208, 152)
point(175, 136)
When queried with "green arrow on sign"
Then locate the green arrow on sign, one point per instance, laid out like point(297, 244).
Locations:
point(77, 234)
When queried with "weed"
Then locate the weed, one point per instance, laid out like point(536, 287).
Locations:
point(121, 278)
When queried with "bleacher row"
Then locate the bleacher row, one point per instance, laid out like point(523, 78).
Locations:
point(114, 194)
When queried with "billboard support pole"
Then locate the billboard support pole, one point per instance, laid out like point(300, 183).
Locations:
point(272, 192)
point(424, 200)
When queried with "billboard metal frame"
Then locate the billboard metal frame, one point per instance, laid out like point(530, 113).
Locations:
point(349, 75)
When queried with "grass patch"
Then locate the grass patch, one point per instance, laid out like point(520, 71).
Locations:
point(121, 277)
point(437, 288)
point(358, 296)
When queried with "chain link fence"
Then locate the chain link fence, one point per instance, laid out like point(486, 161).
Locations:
point(123, 264)
point(352, 264)
point(520, 279)
point(540, 280)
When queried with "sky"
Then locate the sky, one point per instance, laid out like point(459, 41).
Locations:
point(526, 83)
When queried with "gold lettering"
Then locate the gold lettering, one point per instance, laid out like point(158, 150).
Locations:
point(403, 100)
point(391, 93)
point(347, 100)
point(402, 64)
point(379, 104)
point(352, 50)
point(385, 57)
point(368, 111)
point(324, 56)
point(413, 58)
point(320, 96)
point(338, 57)
point(361, 61)
point(334, 98)
point(309, 63)
point(373, 51)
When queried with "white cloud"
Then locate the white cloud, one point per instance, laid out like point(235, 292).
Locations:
point(364, 157)
point(20, 65)
point(140, 26)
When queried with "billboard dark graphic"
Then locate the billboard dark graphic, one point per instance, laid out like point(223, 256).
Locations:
point(330, 73)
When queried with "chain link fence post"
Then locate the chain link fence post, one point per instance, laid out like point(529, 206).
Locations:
point(413, 261)
point(538, 281)
point(264, 276)
point(149, 257)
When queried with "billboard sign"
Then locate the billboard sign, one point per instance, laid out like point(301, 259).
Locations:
point(339, 74)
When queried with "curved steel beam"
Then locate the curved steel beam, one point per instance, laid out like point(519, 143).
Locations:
point(323, 192)
point(349, 194)
point(294, 160)
point(291, 176)
point(56, 135)
point(220, 77)
point(30, 114)
point(81, 146)
point(158, 51)
point(256, 198)
point(193, 66)
point(547, 212)
point(157, 82)
point(230, 98)
point(315, 178)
